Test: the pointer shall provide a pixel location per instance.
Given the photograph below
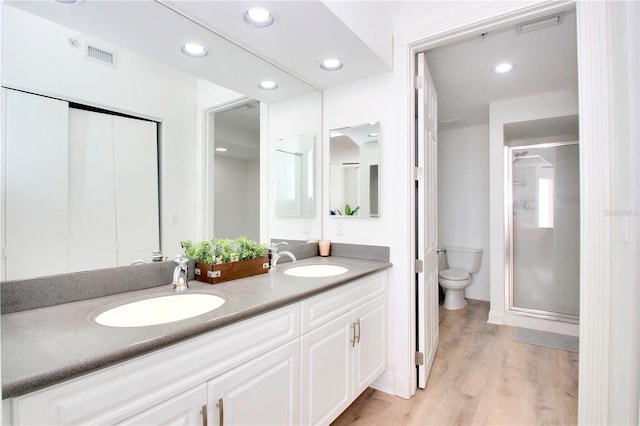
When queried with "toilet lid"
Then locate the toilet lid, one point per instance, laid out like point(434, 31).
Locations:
point(454, 274)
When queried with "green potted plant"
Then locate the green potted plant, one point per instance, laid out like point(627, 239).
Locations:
point(347, 211)
point(223, 260)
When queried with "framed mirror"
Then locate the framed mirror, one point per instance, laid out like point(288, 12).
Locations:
point(293, 169)
point(354, 163)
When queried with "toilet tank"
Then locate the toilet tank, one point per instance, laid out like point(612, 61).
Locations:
point(465, 258)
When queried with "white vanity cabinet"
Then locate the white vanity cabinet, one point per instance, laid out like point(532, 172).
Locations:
point(150, 382)
point(340, 358)
point(262, 392)
point(303, 363)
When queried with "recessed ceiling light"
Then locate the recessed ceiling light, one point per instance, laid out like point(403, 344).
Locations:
point(268, 85)
point(335, 134)
point(373, 135)
point(332, 64)
point(221, 149)
point(70, 1)
point(259, 17)
point(194, 50)
point(503, 67)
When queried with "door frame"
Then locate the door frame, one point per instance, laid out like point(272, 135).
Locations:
point(207, 162)
point(594, 40)
point(430, 36)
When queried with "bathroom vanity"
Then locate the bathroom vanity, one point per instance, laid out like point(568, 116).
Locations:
point(280, 350)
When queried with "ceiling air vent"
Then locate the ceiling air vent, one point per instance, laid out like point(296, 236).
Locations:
point(100, 55)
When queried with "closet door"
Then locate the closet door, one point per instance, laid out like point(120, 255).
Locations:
point(92, 199)
point(35, 215)
point(136, 177)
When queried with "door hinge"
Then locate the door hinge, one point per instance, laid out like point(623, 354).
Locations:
point(418, 173)
point(419, 358)
point(418, 82)
point(419, 266)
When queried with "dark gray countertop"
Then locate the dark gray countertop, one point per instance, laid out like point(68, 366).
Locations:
point(45, 346)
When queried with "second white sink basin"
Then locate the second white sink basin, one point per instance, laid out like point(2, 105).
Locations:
point(316, 271)
point(159, 310)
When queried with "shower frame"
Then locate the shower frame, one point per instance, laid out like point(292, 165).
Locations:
point(508, 232)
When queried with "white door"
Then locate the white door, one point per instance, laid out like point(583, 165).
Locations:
point(92, 192)
point(427, 220)
point(136, 175)
point(36, 185)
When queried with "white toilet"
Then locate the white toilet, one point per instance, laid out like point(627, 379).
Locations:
point(461, 263)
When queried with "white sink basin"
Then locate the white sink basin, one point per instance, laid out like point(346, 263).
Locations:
point(159, 310)
point(316, 271)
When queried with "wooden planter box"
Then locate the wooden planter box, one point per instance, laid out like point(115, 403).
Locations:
point(216, 274)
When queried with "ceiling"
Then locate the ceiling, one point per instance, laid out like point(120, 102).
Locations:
point(305, 32)
point(545, 59)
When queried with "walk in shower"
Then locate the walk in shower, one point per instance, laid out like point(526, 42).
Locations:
point(543, 239)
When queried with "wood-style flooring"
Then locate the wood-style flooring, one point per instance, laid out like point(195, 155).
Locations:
point(480, 376)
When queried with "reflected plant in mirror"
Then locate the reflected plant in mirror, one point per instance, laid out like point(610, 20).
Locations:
point(354, 159)
point(293, 168)
point(145, 76)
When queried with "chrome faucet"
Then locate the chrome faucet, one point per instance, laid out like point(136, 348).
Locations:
point(275, 255)
point(180, 275)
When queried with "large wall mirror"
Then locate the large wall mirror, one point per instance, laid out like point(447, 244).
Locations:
point(125, 58)
point(354, 162)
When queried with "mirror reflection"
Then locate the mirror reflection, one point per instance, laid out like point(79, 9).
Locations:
point(354, 166)
point(293, 168)
point(150, 79)
point(237, 171)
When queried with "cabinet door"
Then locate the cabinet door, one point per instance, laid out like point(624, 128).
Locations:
point(370, 358)
point(35, 161)
point(327, 356)
point(188, 408)
point(262, 392)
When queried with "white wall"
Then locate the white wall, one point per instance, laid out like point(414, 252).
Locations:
point(463, 197)
point(536, 107)
point(138, 86)
point(624, 216)
point(365, 101)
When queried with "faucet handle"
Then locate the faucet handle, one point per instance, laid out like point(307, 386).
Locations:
point(181, 260)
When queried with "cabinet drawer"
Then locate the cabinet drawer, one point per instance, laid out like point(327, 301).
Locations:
point(326, 306)
point(117, 393)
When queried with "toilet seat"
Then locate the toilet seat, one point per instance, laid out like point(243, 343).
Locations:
point(454, 275)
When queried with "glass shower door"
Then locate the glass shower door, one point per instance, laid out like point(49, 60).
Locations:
point(545, 230)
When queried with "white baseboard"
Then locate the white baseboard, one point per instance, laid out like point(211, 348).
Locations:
point(496, 318)
point(385, 383)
